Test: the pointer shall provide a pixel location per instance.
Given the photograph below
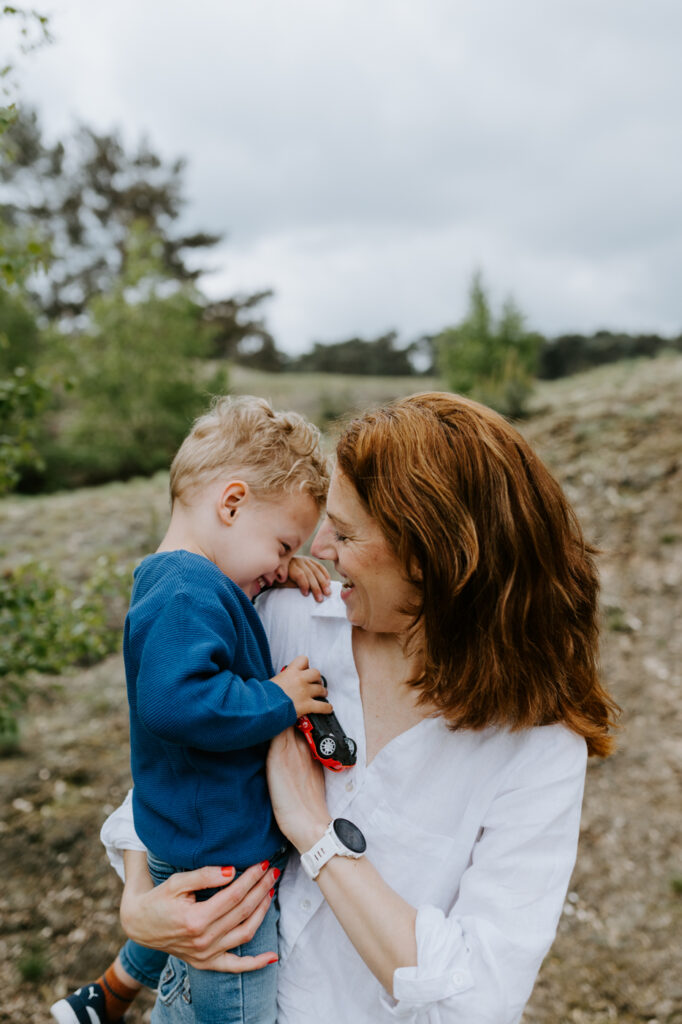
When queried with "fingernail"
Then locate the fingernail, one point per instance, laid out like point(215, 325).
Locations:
point(265, 865)
point(276, 872)
point(228, 872)
point(274, 960)
point(272, 893)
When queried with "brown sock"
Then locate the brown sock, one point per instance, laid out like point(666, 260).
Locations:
point(117, 996)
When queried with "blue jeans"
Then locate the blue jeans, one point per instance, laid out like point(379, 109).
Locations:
point(143, 964)
point(189, 996)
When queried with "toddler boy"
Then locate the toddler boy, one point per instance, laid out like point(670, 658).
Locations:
point(247, 487)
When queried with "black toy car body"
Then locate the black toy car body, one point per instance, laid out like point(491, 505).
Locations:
point(327, 741)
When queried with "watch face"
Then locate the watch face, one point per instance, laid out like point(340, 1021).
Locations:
point(350, 835)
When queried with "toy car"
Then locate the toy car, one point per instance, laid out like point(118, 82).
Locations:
point(327, 741)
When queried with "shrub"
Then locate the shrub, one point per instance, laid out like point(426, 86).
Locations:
point(47, 626)
point(23, 398)
point(137, 380)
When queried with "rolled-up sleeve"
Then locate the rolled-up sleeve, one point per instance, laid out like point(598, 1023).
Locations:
point(477, 964)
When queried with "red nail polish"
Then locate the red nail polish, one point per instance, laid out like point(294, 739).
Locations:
point(274, 960)
point(228, 872)
point(276, 872)
point(265, 865)
point(272, 893)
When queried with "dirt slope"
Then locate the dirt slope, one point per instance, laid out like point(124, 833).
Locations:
point(614, 439)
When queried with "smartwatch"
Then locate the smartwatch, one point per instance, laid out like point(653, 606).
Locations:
point(342, 838)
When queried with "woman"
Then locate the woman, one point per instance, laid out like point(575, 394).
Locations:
point(461, 654)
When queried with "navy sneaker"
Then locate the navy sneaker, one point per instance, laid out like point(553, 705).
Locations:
point(84, 1006)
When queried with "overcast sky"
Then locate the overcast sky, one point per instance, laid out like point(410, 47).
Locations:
point(364, 157)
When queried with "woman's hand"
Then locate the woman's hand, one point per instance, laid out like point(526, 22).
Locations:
point(168, 916)
point(296, 785)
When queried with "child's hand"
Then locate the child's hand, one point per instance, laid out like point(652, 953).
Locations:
point(310, 576)
point(302, 684)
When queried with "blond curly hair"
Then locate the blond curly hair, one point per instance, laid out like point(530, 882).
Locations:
point(272, 451)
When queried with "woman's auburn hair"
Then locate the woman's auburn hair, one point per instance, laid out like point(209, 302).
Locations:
point(508, 586)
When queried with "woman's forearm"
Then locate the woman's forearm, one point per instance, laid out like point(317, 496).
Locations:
point(379, 923)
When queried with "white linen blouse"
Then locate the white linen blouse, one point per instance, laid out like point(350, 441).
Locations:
point(477, 830)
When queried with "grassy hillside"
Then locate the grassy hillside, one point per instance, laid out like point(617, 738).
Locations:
point(613, 437)
point(323, 397)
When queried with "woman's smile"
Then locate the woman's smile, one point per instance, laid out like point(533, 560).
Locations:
point(373, 587)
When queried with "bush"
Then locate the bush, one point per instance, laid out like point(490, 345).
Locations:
point(23, 398)
point(137, 381)
point(47, 626)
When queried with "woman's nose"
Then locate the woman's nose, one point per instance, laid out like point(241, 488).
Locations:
point(322, 546)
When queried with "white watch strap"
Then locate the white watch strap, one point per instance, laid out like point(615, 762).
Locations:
point(324, 849)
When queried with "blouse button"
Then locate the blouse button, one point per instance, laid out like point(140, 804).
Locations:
point(305, 904)
point(458, 979)
point(350, 785)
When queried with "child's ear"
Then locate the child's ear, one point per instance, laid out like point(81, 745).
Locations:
point(232, 498)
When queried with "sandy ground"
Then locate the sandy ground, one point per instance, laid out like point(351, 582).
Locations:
point(614, 439)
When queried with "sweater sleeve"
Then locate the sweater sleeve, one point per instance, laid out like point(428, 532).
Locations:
point(477, 964)
point(187, 691)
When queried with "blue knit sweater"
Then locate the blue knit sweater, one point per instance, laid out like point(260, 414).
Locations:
point(202, 711)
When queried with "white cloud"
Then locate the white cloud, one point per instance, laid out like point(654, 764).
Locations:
point(363, 158)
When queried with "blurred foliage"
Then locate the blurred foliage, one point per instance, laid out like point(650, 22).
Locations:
point(84, 194)
point(47, 626)
point(573, 353)
point(492, 360)
point(23, 392)
point(379, 357)
point(239, 334)
point(20, 336)
point(23, 397)
point(33, 964)
point(136, 377)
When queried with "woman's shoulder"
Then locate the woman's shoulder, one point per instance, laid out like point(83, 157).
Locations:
point(549, 752)
point(295, 624)
point(289, 604)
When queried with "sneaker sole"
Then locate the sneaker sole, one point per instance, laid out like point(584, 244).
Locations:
point(63, 1013)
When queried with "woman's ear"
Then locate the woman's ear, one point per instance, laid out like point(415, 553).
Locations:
point(231, 500)
point(416, 574)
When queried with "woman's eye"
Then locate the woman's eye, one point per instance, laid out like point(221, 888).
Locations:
point(340, 537)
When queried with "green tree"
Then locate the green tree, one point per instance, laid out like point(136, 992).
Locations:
point(138, 376)
point(239, 332)
point(492, 359)
point(23, 393)
point(20, 336)
point(84, 194)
